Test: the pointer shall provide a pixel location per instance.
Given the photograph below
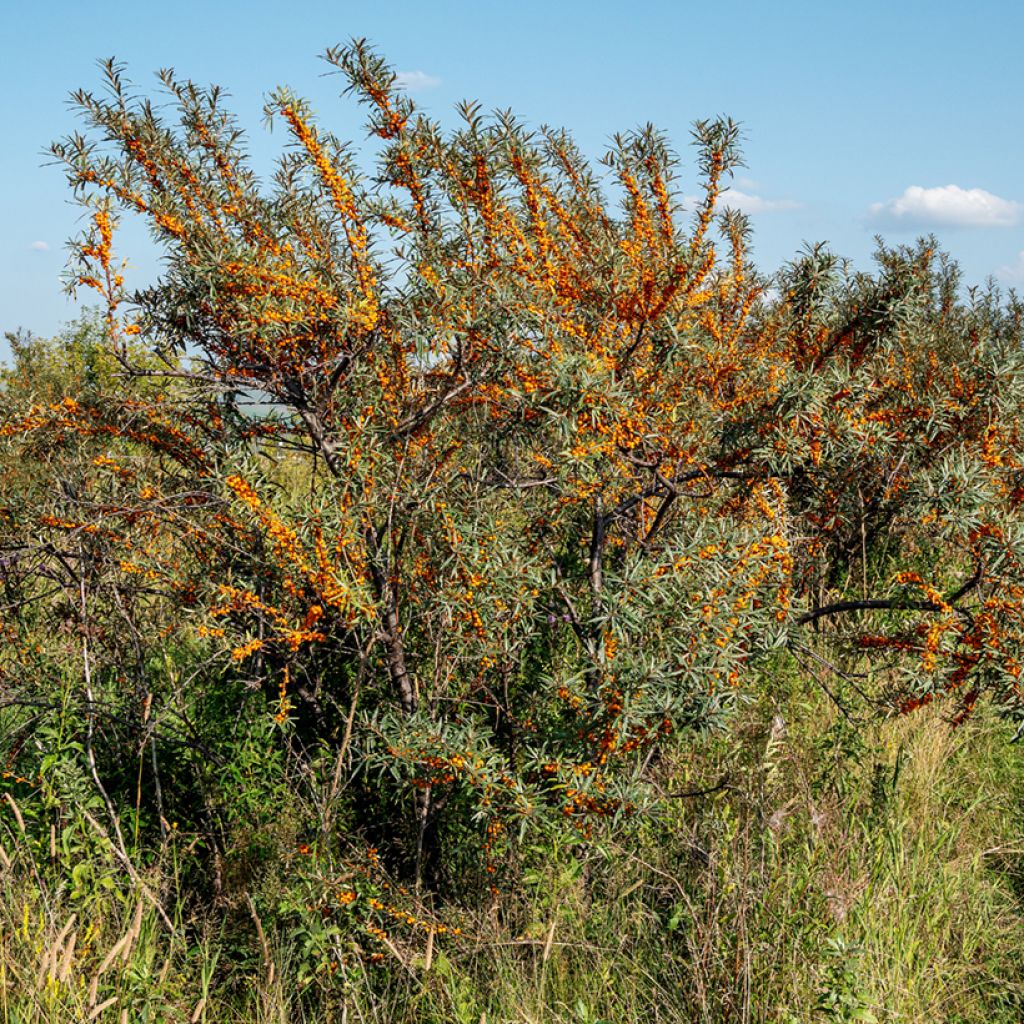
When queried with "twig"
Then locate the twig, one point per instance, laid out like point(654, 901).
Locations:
point(132, 873)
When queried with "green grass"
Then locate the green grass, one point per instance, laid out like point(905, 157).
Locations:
point(842, 873)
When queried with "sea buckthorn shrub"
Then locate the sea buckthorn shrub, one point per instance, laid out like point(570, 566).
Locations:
point(494, 472)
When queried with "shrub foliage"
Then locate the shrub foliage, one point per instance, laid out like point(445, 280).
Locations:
point(491, 472)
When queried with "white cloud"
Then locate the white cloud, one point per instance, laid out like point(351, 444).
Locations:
point(40, 246)
point(946, 206)
point(747, 202)
point(414, 81)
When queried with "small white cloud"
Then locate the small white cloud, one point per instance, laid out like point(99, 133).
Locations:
point(414, 81)
point(40, 246)
point(946, 206)
point(1013, 273)
point(747, 202)
point(748, 184)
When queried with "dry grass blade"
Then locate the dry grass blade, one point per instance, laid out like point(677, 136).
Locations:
point(65, 964)
point(16, 811)
point(549, 941)
point(268, 963)
point(48, 967)
point(111, 956)
point(133, 931)
point(105, 1005)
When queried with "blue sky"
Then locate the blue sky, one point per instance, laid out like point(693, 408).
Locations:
point(860, 118)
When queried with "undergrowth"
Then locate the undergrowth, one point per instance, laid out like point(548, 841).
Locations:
point(803, 866)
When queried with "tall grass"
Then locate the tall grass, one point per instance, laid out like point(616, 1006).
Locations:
point(836, 871)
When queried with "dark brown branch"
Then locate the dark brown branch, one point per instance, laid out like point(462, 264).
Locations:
point(398, 670)
point(892, 604)
point(692, 794)
point(871, 604)
point(412, 423)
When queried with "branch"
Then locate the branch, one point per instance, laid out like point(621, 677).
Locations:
point(398, 670)
point(595, 559)
point(412, 423)
point(690, 794)
point(892, 604)
point(871, 604)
